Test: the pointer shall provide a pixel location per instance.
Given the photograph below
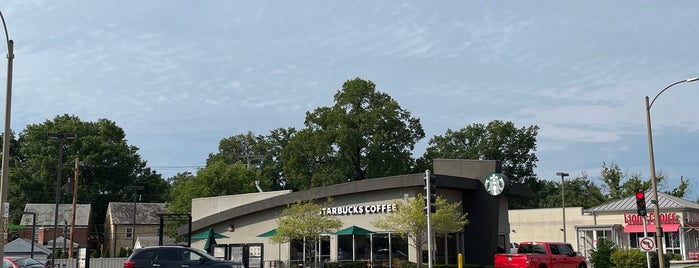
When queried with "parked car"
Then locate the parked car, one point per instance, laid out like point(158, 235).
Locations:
point(22, 262)
point(175, 257)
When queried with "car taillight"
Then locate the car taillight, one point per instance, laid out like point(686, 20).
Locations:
point(129, 264)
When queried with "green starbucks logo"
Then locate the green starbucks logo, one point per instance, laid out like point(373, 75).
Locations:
point(496, 183)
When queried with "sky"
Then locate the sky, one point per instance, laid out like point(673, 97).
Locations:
point(178, 76)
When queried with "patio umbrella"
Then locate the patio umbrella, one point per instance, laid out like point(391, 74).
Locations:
point(269, 233)
point(356, 230)
point(210, 237)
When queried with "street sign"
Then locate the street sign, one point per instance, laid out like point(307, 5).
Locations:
point(646, 244)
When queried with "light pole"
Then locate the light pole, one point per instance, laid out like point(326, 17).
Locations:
point(563, 201)
point(135, 189)
point(31, 254)
point(656, 209)
point(61, 139)
point(6, 138)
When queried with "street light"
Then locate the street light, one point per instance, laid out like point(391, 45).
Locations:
point(135, 189)
point(656, 209)
point(6, 138)
point(61, 139)
point(33, 229)
point(563, 201)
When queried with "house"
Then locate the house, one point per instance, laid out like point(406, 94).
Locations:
point(41, 218)
point(22, 247)
point(121, 220)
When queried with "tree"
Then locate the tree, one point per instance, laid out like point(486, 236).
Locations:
point(262, 153)
point(304, 222)
point(107, 165)
point(216, 179)
point(579, 192)
point(618, 185)
point(410, 220)
point(365, 134)
point(497, 140)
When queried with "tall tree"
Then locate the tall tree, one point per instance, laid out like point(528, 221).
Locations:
point(216, 179)
point(579, 192)
point(619, 185)
point(107, 165)
point(365, 134)
point(497, 140)
point(410, 220)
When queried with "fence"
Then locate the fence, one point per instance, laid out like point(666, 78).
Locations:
point(94, 263)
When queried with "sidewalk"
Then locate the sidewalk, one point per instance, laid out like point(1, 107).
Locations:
point(683, 263)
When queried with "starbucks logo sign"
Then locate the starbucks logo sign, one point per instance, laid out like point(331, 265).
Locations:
point(496, 183)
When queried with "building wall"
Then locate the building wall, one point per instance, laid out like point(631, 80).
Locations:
point(211, 205)
point(45, 234)
point(546, 224)
point(116, 238)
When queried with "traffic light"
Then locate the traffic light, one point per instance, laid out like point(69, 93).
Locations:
point(641, 203)
point(430, 194)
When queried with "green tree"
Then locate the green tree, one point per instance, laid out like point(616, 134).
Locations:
point(216, 179)
point(619, 185)
point(365, 134)
point(579, 192)
point(303, 221)
point(262, 153)
point(108, 164)
point(410, 220)
point(497, 140)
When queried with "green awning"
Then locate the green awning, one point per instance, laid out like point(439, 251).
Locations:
point(354, 230)
point(269, 233)
point(208, 234)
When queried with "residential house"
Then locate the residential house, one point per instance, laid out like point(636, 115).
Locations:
point(43, 225)
point(122, 218)
point(22, 247)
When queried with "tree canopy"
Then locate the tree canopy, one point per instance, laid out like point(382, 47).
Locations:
point(107, 165)
point(497, 140)
point(365, 134)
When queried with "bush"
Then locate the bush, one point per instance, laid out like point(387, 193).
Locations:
point(601, 256)
point(654, 259)
point(633, 258)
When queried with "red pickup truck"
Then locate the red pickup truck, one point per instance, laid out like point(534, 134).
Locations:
point(541, 255)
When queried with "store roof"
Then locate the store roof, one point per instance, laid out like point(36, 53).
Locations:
point(368, 185)
point(666, 201)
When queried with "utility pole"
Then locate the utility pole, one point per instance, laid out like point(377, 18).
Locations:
point(75, 203)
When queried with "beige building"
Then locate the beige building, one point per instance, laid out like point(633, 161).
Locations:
point(123, 218)
point(247, 220)
point(615, 221)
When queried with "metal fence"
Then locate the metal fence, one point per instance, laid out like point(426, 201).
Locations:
point(94, 263)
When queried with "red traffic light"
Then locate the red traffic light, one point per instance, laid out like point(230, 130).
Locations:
point(640, 195)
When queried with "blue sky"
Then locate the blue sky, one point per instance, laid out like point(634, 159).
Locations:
point(179, 76)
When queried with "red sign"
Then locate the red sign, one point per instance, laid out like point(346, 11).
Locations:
point(665, 218)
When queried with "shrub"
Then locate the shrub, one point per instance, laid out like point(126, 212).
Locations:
point(633, 258)
point(601, 256)
point(654, 259)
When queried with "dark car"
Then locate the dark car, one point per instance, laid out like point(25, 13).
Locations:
point(175, 257)
point(22, 262)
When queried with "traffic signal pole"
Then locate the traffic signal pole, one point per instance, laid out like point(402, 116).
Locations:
point(429, 203)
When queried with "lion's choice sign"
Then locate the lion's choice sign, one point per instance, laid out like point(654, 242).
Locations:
point(361, 209)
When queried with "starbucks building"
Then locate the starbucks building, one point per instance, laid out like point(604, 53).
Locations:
point(246, 222)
